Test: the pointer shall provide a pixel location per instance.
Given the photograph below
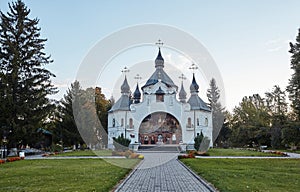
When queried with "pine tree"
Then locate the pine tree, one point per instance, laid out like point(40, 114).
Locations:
point(25, 82)
point(213, 94)
point(67, 125)
point(294, 83)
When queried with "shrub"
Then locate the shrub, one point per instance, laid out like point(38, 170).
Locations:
point(198, 141)
point(121, 143)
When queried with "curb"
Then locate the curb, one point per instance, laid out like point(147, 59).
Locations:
point(122, 183)
point(209, 186)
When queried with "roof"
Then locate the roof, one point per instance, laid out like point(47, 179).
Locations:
point(159, 73)
point(122, 104)
point(125, 87)
point(182, 93)
point(137, 93)
point(197, 103)
point(159, 91)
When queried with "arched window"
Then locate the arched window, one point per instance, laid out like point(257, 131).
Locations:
point(198, 122)
point(206, 121)
point(189, 123)
point(130, 123)
point(114, 122)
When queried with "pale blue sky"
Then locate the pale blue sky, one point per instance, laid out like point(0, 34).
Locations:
point(247, 39)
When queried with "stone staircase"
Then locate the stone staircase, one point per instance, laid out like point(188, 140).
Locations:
point(159, 148)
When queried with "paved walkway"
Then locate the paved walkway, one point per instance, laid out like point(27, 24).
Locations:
point(162, 172)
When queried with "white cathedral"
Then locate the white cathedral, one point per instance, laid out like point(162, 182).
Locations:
point(156, 116)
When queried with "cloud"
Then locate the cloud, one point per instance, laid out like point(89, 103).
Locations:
point(275, 49)
point(277, 44)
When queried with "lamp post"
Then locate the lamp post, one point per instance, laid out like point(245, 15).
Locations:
point(4, 140)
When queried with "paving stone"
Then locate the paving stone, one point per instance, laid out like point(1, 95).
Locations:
point(160, 172)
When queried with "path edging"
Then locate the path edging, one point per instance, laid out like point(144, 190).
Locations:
point(209, 186)
point(122, 182)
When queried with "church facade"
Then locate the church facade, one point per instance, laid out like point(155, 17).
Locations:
point(154, 116)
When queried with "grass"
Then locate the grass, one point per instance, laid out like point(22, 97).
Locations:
point(63, 175)
point(86, 153)
point(291, 151)
point(237, 175)
point(237, 152)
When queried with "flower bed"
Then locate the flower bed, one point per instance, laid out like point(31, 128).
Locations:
point(128, 154)
point(10, 159)
point(192, 154)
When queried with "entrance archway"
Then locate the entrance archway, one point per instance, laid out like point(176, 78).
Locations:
point(160, 128)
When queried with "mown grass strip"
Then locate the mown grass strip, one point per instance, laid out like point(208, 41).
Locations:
point(237, 175)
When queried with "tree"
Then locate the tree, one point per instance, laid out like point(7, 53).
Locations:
point(198, 139)
point(213, 94)
point(66, 121)
point(250, 122)
point(102, 107)
point(277, 106)
point(25, 82)
point(294, 83)
point(225, 132)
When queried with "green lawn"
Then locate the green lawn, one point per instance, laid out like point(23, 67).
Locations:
point(87, 153)
point(237, 152)
point(63, 175)
point(249, 174)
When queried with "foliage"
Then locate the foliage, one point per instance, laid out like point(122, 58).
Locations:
point(25, 82)
point(198, 139)
point(294, 83)
point(89, 108)
point(121, 143)
point(225, 132)
point(248, 174)
point(250, 123)
point(213, 95)
point(66, 124)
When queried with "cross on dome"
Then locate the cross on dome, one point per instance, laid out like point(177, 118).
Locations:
point(159, 43)
point(193, 67)
point(182, 77)
point(125, 70)
point(137, 77)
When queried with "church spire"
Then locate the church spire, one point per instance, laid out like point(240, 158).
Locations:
point(125, 89)
point(182, 93)
point(194, 88)
point(159, 61)
point(137, 93)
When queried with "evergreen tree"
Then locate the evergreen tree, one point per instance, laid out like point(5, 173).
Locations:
point(67, 125)
point(213, 94)
point(277, 106)
point(25, 82)
point(294, 83)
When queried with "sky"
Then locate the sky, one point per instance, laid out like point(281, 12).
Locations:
point(248, 40)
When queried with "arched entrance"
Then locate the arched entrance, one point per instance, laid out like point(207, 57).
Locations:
point(160, 128)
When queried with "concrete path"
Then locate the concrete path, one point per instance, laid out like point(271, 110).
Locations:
point(162, 172)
